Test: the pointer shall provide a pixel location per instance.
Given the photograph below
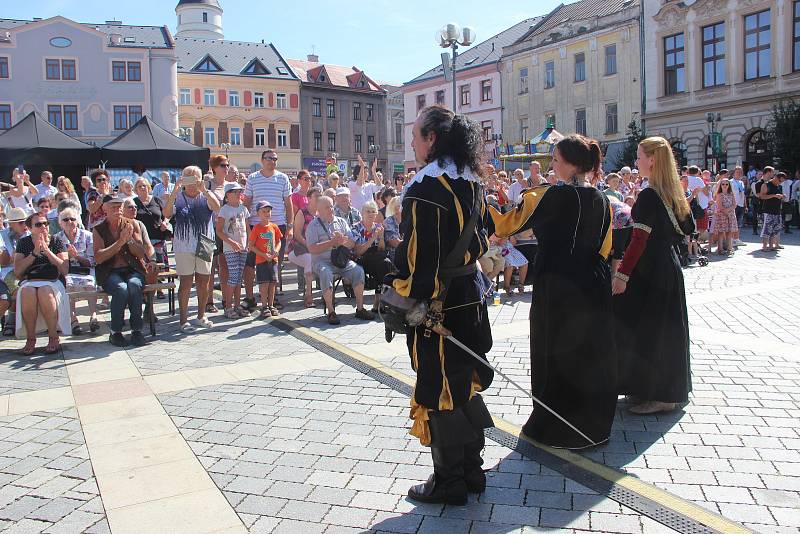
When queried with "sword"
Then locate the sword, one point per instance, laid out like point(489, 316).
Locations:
point(525, 391)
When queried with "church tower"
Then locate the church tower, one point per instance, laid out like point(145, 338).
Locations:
point(199, 19)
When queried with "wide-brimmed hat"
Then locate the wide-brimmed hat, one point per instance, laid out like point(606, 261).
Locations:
point(113, 199)
point(342, 191)
point(17, 215)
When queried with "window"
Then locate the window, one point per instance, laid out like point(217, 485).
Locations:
point(357, 148)
point(120, 117)
point(486, 90)
point(258, 100)
point(68, 71)
point(70, 117)
point(714, 55)
point(611, 59)
point(611, 119)
point(674, 71)
point(205, 16)
point(207, 64)
point(118, 71)
point(5, 116)
point(3, 67)
point(549, 74)
point(550, 120)
point(523, 129)
point(398, 133)
point(331, 142)
point(523, 80)
point(134, 114)
point(486, 126)
point(316, 107)
point(439, 98)
point(318, 141)
point(233, 99)
point(370, 142)
point(210, 136)
point(580, 121)
point(282, 139)
point(580, 67)
point(757, 52)
point(464, 93)
point(331, 105)
point(256, 68)
point(370, 112)
point(52, 69)
point(260, 136)
point(134, 71)
point(280, 101)
point(186, 97)
point(796, 33)
point(236, 136)
point(54, 116)
point(209, 97)
point(420, 102)
point(356, 111)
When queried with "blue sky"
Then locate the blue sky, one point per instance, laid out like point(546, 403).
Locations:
point(391, 40)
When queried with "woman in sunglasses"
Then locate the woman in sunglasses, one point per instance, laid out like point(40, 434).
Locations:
point(94, 197)
point(40, 264)
point(80, 277)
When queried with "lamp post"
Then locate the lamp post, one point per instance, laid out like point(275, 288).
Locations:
point(225, 147)
point(184, 133)
point(714, 137)
point(450, 36)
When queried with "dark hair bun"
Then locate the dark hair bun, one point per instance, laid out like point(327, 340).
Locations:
point(457, 137)
point(580, 151)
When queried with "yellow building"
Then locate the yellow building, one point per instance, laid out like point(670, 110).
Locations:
point(236, 97)
point(579, 69)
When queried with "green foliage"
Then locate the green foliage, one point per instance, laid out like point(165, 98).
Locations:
point(783, 135)
point(627, 156)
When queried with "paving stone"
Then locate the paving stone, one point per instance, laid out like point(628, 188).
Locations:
point(349, 517)
point(305, 511)
point(337, 496)
point(443, 525)
point(516, 515)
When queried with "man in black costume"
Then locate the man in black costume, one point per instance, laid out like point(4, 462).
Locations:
point(438, 205)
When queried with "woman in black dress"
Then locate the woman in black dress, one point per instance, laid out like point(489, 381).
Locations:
point(652, 328)
point(573, 360)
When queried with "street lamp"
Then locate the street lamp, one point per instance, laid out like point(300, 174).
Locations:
point(450, 36)
point(225, 147)
point(184, 133)
point(714, 137)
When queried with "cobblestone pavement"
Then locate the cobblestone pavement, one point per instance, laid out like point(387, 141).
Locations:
point(244, 427)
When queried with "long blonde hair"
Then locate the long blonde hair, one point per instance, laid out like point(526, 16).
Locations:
point(664, 177)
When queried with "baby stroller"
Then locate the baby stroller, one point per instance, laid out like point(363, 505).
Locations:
point(682, 250)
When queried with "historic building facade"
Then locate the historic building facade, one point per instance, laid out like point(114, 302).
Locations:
point(715, 69)
point(235, 97)
point(578, 69)
point(479, 88)
point(92, 81)
point(395, 152)
point(343, 112)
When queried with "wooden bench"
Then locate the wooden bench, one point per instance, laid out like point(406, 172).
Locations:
point(149, 292)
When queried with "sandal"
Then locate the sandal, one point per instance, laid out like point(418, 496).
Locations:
point(188, 328)
point(309, 304)
point(8, 329)
point(204, 322)
point(30, 347)
point(508, 290)
point(243, 312)
point(53, 346)
point(77, 329)
point(274, 311)
point(266, 313)
point(211, 308)
point(521, 289)
point(94, 325)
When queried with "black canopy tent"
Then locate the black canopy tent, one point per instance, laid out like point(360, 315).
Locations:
point(38, 145)
point(146, 144)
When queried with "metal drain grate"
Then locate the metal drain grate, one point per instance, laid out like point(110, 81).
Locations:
point(633, 500)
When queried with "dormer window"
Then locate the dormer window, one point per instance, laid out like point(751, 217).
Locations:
point(282, 71)
point(205, 16)
point(322, 78)
point(255, 68)
point(207, 64)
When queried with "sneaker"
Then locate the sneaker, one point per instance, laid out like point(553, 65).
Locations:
point(138, 339)
point(188, 328)
point(739, 243)
point(231, 313)
point(364, 315)
point(117, 339)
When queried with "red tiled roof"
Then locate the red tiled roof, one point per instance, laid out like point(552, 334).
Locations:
point(337, 75)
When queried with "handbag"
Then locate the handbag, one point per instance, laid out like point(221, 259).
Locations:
point(340, 256)
point(205, 247)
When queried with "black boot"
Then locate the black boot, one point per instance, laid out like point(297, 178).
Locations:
point(479, 418)
point(446, 485)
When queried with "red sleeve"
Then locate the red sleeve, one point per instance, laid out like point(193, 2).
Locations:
point(639, 237)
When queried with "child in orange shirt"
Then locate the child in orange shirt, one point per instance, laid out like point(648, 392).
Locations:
point(265, 243)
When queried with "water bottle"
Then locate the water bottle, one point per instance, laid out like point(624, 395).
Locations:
point(496, 298)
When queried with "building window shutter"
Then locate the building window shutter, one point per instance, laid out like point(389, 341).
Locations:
point(294, 136)
point(198, 133)
point(271, 136)
point(223, 132)
point(248, 99)
point(248, 133)
point(271, 101)
point(222, 99)
point(197, 97)
point(294, 101)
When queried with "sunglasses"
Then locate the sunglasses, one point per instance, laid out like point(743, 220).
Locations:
point(69, 219)
point(101, 180)
point(272, 158)
point(41, 224)
point(226, 165)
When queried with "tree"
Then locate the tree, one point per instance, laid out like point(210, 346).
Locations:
point(627, 156)
point(783, 134)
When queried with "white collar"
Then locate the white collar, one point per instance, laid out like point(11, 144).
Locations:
point(433, 169)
